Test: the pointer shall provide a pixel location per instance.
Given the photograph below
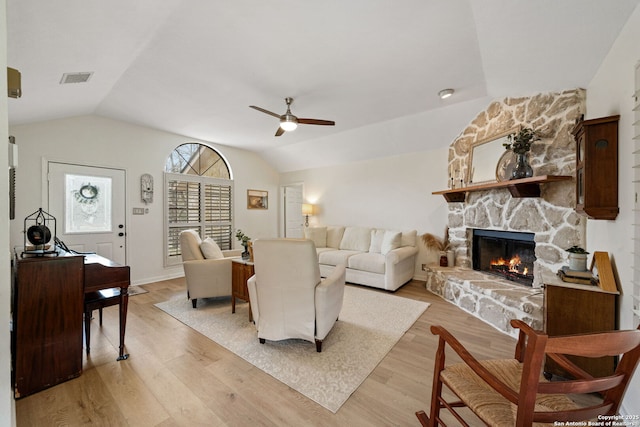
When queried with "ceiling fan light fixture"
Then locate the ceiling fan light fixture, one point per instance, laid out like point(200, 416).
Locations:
point(288, 123)
point(445, 93)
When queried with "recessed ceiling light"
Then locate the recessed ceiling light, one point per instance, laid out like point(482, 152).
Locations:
point(445, 93)
point(75, 77)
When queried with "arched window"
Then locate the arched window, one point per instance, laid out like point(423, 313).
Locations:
point(199, 195)
point(197, 159)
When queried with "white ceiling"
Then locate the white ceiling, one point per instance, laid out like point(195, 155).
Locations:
point(193, 67)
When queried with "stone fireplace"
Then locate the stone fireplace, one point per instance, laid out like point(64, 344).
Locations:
point(549, 220)
point(551, 217)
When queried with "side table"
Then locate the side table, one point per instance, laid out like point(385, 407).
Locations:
point(241, 271)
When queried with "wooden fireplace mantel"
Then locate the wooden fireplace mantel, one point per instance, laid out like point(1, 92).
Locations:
point(525, 187)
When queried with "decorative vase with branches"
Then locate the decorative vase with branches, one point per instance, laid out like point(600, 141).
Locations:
point(520, 144)
point(443, 246)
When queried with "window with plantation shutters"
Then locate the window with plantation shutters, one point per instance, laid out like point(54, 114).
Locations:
point(636, 186)
point(199, 195)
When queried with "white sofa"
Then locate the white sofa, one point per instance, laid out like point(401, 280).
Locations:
point(373, 257)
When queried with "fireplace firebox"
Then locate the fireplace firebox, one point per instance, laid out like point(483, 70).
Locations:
point(508, 254)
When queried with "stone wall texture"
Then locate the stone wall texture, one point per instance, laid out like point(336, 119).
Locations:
point(551, 217)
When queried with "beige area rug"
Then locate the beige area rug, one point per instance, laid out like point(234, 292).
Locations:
point(370, 324)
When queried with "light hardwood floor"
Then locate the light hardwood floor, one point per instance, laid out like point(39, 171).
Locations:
point(177, 377)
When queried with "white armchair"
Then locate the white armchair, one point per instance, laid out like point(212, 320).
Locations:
point(288, 298)
point(206, 278)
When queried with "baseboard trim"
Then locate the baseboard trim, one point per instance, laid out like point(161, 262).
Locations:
point(168, 276)
point(422, 277)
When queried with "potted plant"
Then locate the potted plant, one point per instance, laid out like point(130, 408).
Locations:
point(520, 144)
point(577, 258)
point(244, 241)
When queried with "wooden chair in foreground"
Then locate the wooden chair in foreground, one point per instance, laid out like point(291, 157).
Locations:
point(513, 392)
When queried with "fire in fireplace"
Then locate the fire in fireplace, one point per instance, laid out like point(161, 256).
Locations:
point(508, 254)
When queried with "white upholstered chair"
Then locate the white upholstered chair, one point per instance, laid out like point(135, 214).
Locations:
point(288, 298)
point(206, 278)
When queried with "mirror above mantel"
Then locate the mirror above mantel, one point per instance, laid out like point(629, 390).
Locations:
point(485, 156)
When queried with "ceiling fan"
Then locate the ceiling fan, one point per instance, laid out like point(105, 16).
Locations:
point(289, 122)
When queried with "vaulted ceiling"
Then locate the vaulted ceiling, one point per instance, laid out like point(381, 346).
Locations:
point(193, 67)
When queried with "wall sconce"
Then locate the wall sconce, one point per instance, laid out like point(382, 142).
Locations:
point(307, 209)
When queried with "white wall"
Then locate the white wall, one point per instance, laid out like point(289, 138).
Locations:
point(391, 192)
point(7, 404)
point(610, 93)
point(97, 141)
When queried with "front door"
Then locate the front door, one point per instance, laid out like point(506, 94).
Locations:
point(89, 206)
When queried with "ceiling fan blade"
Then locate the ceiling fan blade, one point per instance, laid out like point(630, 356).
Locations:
point(280, 131)
point(317, 122)
point(265, 111)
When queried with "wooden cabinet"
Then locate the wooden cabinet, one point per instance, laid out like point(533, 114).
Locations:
point(574, 309)
point(46, 341)
point(241, 271)
point(597, 167)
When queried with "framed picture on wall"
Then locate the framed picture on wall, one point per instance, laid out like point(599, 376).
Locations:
point(257, 199)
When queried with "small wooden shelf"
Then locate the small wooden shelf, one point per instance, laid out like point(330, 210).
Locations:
point(525, 187)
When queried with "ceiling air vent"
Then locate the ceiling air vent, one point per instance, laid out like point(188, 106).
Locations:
point(75, 77)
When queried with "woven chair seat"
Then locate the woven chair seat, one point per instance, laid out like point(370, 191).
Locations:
point(489, 405)
point(519, 380)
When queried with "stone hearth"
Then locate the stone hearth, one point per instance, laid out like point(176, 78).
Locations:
point(494, 300)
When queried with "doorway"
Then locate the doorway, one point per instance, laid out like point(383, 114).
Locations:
point(89, 206)
point(293, 221)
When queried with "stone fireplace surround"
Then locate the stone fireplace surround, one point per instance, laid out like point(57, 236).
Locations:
point(551, 217)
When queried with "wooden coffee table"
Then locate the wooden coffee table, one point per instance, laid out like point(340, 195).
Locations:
point(241, 270)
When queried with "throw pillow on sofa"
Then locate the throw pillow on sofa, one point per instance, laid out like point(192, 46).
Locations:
point(210, 249)
point(318, 235)
point(392, 240)
point(356, 239)
point(334, 236)
point(377, 236)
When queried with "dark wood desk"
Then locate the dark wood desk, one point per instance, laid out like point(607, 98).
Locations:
point(102, 273)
